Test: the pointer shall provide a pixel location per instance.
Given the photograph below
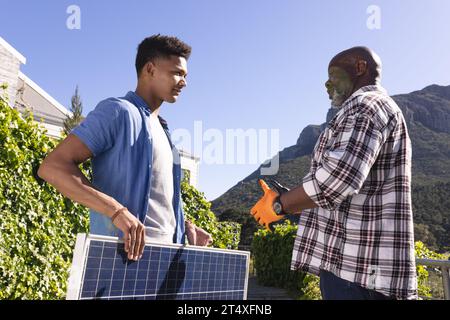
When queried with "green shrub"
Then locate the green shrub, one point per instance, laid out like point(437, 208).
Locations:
point(247, 222)
point(38, 225)
point(422, 252)
point(272, 257)
point(198, 210)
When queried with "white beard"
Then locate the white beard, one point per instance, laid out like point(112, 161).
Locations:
point(336, 99)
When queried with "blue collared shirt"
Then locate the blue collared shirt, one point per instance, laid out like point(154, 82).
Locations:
point(117, 134)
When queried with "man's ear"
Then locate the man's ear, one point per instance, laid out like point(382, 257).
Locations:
point(150, 69)
point(361, 67)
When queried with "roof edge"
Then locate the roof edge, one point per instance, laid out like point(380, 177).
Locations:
point(13, 51)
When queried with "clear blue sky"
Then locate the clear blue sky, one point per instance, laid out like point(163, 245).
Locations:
point(255, 64)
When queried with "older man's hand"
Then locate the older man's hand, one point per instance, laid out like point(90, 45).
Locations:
point(263, 211)
point(197, 236)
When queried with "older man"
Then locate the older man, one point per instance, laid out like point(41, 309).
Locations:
point(356, 225)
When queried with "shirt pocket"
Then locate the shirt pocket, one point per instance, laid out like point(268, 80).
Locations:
point(340, 134)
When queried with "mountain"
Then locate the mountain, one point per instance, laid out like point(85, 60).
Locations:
point(427, 113)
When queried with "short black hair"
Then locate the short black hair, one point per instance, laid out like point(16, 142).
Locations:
point(158, 46)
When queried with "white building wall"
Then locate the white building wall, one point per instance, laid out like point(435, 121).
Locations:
point(10, 61)
point(190, 163)
point(46, 110)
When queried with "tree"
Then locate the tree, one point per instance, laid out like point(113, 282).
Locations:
point(77, 109)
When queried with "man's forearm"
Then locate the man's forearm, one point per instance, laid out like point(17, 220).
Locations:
point(71, 182)
point(296, 200)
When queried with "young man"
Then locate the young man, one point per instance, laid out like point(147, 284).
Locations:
point(356, 228)
point(135, 192)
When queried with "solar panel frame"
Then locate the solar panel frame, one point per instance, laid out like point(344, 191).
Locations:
point(85, 243)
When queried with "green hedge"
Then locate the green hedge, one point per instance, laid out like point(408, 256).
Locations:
point(423, 276)
point(225, 235)
point(272, 254)
point(272, 258)
point(38, 225)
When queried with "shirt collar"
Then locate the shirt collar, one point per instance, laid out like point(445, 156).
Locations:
point(377, 88)
point(360, 91)
point(341, 109)
point(141, 104)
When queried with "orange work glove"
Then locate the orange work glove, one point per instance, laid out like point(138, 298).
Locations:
point(263, 209)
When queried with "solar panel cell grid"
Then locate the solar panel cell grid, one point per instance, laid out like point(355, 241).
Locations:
point(164, 272)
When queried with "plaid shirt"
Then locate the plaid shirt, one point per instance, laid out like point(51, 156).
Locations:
point(360, 178)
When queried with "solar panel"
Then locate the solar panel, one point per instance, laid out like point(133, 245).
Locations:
point(101, 270)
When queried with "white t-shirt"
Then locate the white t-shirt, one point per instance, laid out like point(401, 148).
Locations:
point(160, 223)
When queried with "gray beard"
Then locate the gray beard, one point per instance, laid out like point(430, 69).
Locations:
point(337, 100)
